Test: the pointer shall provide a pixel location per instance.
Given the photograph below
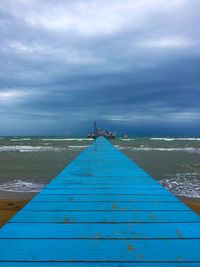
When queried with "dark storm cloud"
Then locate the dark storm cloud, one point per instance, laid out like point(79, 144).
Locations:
point(128, 64)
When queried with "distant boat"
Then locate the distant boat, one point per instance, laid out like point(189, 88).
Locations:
point(97, 132)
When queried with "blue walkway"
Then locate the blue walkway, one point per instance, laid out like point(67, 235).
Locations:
point(102, 210)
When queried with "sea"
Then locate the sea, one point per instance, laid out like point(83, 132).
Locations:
point(27, 164)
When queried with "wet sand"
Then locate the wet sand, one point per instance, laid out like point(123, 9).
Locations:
point(9, 207)
point(193, 203)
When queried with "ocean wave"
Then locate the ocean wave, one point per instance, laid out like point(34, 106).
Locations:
point(176, 139)
point(66, 139)
point(188, 139)
point(163, 139)
point(183, 149)
point(183, 184)
point(20, 139)
point(127, 139)
point(21, 186)
point(30, 148)
point(76, 147)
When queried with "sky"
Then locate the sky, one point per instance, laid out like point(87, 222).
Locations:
point(132, 65)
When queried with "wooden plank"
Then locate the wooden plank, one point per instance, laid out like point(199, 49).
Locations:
point(99, 250)
point(104, 206)
point(105, 172)
point(97, 191)
point(98, 182)
point(99, 264)
point(102, 231)
point(107, 198)
point(126, 186)
point(86, 178)
point(105, 217)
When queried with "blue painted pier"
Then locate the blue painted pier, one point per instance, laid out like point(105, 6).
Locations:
point(102, 210)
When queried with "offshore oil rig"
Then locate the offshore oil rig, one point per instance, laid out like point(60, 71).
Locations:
point(98, 132)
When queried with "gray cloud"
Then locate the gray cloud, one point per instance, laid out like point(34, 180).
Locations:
point(126, 64)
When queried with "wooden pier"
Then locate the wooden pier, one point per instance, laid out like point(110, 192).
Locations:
point(102, 210)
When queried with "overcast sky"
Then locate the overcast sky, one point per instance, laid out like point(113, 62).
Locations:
point(132, 65)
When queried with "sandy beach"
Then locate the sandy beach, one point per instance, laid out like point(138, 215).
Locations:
point(193, 203)
point(8, 207)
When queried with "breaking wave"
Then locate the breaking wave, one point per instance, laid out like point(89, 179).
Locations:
point(19, 148)
point(20, 139)
point(21, 186)
point(30, 148)
point(127, 139)
point(163, 139)
point(49, 139)
point(176, 139)
point(76, 147)
point(66, 139)
point(183, 184)
point(142, 148)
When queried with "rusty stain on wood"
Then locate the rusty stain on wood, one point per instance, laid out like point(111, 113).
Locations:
point(130, 247)
point(179, 234)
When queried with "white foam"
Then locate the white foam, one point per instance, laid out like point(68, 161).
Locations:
point(163, 139)
point(30, 148)
point(66, 139)
point(183, 149)
point(21, 186)
point(20, 139)
point(188, 139)
point(176, 139)
point(76, 147)
point(127, 139)
point(183, 184)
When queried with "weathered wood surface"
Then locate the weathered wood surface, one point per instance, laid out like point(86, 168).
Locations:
point(102, 210)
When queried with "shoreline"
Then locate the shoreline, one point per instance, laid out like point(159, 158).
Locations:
point(10, 206)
